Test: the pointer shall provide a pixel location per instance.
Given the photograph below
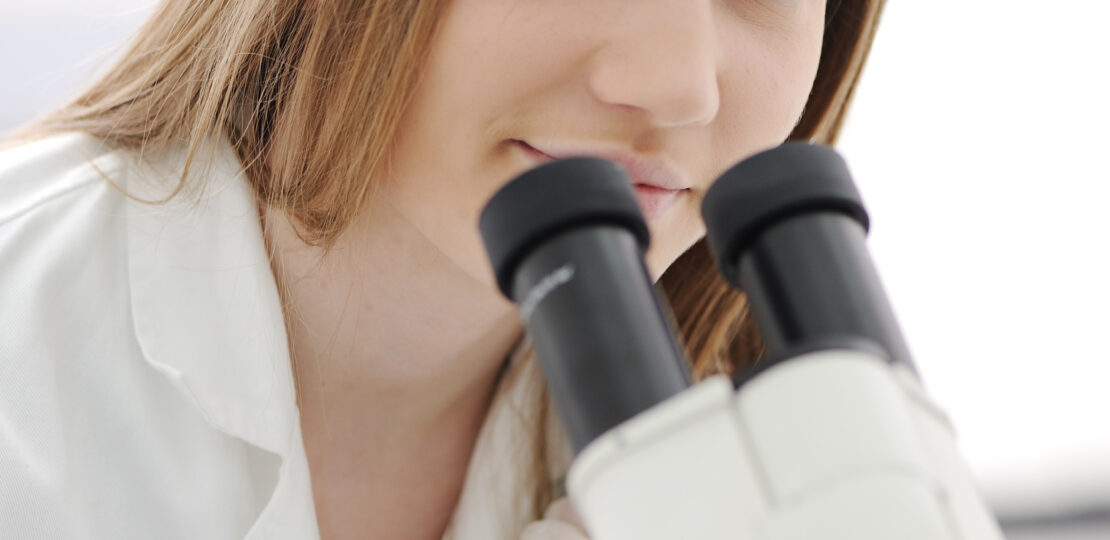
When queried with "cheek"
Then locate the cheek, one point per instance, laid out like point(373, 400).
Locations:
point(798, 71)
point(767, 84)
point(764, 90)
point(446, 162)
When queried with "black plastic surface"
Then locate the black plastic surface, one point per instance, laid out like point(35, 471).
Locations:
point(810, 280)
point(788, 228)
point(771, 186)
point(552, 198)
point(600, 330)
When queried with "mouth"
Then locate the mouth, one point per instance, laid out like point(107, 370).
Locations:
point(657, 186)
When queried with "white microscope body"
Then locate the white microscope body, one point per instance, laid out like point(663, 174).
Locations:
point(835, 444)
point(832, 437)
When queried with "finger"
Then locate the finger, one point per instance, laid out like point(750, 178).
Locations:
point(551, 530)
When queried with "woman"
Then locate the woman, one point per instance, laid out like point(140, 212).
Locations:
point(244, 289)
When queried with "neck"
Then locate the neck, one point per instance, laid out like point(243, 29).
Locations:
point(396, 353)
point(385, 312)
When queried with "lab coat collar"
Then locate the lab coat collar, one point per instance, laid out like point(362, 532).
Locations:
point(204, 300)
point(208, 316)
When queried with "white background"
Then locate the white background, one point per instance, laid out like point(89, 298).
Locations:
point(979, 141)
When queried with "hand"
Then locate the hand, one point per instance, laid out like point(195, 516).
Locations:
point(560, 522)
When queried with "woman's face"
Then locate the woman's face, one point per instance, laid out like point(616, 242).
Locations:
point(681, 89)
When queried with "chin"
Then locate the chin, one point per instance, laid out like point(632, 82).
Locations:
point(658, 263)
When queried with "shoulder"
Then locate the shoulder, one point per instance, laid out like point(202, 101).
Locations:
point(60, 239)
point(59, 219)
point(46, 171)
point(93, 429)
point(66, 314)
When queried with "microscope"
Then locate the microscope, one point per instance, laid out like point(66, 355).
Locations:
point(830, 436)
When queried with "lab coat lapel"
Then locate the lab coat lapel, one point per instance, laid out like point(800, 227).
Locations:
point(208, 316)
point(205, 303)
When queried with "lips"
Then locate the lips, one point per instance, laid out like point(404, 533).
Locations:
point(657, 186)
point(654, 201)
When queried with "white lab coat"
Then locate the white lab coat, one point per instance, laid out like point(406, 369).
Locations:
point(145, 383)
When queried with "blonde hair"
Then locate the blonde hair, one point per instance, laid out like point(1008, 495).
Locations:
point(309, 94)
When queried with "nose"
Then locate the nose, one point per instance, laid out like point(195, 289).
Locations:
point(661, 59)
